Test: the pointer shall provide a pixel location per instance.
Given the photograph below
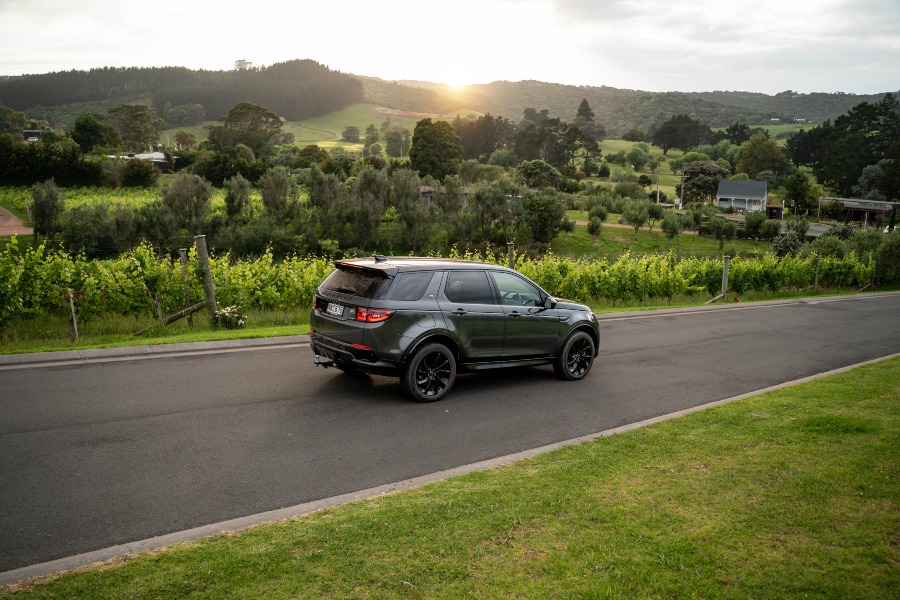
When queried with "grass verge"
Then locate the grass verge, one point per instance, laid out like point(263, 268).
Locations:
point(793, 493)
point(51, 333)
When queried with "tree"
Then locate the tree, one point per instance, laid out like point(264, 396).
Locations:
point(351, 134)
point(184, 114)
point(584, 110)
point(544, 212)
point(91, 131)
point(702, 180)
point(137, 124)
point(635, 214)
point(633, 135)
point(185, 140)
point(504, 158)
point(761, 154)
point(880, 181)
point(867, 134)
point(672, 226)
point(309, 156)
point(255, 126)
point(369, 195)
point(393, 142)
point(638, 157)
point(769, 230)
point(680, 132)
point(140, 173)
point(413, 212)
point(280, 194)
point(753, 224)
point(654, 213)
point(237, 199)
point(737, 133)
point(436, 149)
point(372, 135)
point(12, 121)
point(787, 243)
point(539, 174)
point(722, 229)
point(594, 227)
point(188, 198)
point(47, 206)
point(796, 192)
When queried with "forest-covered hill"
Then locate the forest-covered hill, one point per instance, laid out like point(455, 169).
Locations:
point(301, 89)
point(297, 89)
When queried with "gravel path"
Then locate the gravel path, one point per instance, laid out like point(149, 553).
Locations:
point(10, 224)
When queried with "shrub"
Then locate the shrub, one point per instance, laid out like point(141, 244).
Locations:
point(786, 244)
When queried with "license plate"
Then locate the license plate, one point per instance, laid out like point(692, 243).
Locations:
point(335, 309)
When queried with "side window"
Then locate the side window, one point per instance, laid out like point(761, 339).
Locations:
point(515, 291)
point(411, 286)
point(469, 287)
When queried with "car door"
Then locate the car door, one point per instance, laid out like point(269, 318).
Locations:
point(472, 314)
point(531, 328)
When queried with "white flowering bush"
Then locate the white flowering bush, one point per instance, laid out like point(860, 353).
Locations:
point(230, 317)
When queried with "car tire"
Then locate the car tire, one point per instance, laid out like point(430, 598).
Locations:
point(577, 355)
point(429, 374)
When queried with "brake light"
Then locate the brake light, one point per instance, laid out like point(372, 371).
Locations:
point(362, 347)
point(372, 315)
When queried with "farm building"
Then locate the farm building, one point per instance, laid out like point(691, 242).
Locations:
point(863, 211)
point(742, 196)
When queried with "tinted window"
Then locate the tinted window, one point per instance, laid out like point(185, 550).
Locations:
point(411, 286)
point(356, 282)
point(469, 287)
point(516, 291)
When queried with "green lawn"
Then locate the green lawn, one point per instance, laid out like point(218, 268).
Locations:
point(791, 494)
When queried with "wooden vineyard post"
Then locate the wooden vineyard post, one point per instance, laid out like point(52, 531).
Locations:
point(208, 290)
point(187, 283)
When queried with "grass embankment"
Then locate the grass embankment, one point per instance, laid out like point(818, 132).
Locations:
point(51, 333)
point(793, 493)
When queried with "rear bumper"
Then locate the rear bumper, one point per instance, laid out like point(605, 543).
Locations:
point(328, 350)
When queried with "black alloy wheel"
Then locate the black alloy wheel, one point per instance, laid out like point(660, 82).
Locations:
point(576, 358)
point(430, 373)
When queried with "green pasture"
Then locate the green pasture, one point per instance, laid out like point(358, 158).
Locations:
point(614, 240)
point(789, 494)
point(326, 130)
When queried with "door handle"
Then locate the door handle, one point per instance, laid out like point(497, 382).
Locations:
point(515, 314)
point(460, 311)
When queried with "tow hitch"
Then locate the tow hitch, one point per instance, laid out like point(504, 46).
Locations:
point(324, 363)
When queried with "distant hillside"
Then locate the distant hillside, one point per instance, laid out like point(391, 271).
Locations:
point(816, 107)
point(296, 89)
point(421, 97)
point(302, 89)
point(620, 109)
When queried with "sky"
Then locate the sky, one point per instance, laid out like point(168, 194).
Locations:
point(766, 46)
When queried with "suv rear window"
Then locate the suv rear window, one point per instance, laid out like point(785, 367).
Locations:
point(362, 283)
point(411, 286)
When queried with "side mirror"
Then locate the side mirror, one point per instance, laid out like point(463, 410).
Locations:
point(549, 302)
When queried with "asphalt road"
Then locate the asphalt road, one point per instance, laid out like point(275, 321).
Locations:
point(103, 453)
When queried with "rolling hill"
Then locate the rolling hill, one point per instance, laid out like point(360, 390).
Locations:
point(304, 89)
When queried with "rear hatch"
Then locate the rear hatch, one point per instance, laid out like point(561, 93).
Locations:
point(340, 298)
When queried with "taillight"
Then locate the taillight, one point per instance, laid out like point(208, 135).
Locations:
point(372, 315)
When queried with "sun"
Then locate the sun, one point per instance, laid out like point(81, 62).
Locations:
point(455, 84)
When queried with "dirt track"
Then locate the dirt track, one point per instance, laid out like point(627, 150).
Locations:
point(10, 224)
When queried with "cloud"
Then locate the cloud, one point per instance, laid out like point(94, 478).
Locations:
point(758, 45)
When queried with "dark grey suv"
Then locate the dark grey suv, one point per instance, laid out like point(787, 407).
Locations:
point(424, 318)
